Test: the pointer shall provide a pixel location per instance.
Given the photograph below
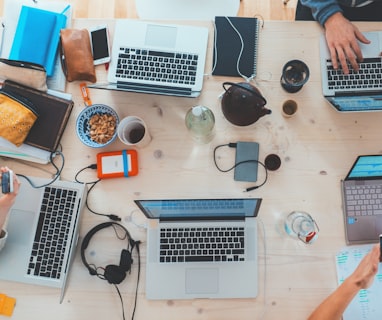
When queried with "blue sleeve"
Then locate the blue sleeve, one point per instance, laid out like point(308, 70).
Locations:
point(322, 9)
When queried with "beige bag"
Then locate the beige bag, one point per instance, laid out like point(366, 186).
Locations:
point(29, 74)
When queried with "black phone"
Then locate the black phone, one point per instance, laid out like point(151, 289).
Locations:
point(246, 161)
point(99, 40)
point(7, 182)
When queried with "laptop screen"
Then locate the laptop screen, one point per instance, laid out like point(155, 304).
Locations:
point(357, 102)
point(366, 167)
point(199, 208)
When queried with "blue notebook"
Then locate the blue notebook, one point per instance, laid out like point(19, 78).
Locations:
point(37, 37)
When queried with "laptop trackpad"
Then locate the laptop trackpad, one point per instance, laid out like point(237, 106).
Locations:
point(20, 226)
point(199, 280)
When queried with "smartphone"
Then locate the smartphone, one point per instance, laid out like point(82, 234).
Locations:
point(246, 161)
point(99, 40)
point(7, 182)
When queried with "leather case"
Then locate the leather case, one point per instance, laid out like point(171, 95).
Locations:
point(53, 115)
point(76, 55)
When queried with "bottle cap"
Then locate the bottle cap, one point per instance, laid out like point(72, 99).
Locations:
point(197, 111)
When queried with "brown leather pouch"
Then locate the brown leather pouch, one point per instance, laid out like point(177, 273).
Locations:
point(76, 55)
point(16, 118)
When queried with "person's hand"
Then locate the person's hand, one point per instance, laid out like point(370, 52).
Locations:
point(341, 37)
point(364, 274)
point(7, 200)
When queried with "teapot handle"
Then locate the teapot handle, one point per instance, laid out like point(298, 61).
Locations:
point(238, 85)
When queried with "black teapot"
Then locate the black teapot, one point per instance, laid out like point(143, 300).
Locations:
point(243, 104)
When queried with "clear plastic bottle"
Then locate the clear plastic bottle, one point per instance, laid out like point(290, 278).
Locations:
point(200, 122)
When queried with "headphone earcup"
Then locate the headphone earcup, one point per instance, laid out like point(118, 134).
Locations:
point(114, 274)
point(126, 260)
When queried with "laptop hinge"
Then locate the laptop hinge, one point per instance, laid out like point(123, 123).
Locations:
point(357, 93)
point(155, 89)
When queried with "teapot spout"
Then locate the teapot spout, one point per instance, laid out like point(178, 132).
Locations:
point(265, 111)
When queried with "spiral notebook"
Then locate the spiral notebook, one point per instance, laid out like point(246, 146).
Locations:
point(233, 35)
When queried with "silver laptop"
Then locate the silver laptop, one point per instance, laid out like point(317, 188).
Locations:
point(43, 228)
point(357, 91)
point(201, 248)
point(362, 200)
point(158, 58)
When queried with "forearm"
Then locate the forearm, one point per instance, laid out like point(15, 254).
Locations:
point(322, 10)
point(334, 306)
point(3, 217)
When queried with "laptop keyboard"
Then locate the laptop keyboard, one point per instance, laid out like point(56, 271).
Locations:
point(209, 244)
point(52, 233)
point(363, 200)
point(163, 67)
point(369, 76)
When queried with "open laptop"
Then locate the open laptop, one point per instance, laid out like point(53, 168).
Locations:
point(357, 91)
point(201, 248)
point(158, 58)
point(43, 228)
point(362, 200)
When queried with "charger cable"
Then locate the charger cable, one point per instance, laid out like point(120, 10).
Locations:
point(233, 145)
point(93, 184)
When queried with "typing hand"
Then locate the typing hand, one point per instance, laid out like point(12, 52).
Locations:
point(341, 37)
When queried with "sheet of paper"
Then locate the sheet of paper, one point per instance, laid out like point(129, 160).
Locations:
point(367, 303)
point(11, 14)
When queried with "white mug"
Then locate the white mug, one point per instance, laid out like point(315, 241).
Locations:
point(133, 131)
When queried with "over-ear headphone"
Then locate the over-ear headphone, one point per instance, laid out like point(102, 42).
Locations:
point(114, 274)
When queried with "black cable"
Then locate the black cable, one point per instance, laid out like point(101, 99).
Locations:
point(233, 145)
point(93, 183)
point(56, 175)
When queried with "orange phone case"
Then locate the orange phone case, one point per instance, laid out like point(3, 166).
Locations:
point(117, 164)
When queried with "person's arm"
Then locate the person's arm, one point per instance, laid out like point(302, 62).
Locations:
point(322, 10)
point(334, 306)
point(6, 202)
point(341, 37)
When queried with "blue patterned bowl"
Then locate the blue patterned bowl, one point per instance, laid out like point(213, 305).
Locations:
point(83, 127)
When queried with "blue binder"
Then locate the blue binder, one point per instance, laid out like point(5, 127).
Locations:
point(37, 37)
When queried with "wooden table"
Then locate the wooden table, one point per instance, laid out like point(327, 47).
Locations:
point(317, 147)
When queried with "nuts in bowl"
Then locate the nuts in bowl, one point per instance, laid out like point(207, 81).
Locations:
point(97, 125)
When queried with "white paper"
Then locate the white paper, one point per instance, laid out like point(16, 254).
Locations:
point(366, 304)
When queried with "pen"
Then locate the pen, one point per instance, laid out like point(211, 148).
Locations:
point(380, 248)
point(2, 36)
point(66, 9)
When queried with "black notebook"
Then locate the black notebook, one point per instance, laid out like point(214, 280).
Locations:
point(228, 46)
point(53, 115)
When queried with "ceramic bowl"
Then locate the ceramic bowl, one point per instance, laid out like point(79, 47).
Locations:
point(83, 127)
